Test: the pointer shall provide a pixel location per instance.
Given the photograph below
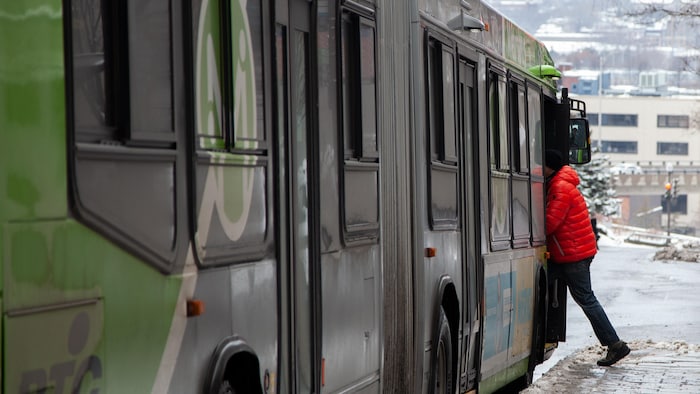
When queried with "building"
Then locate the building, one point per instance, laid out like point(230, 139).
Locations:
point(660, 136)
point(585, 82)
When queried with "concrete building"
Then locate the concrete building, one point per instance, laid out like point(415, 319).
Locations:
point(651, 141)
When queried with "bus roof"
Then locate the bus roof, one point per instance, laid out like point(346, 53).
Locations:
point(500, 35)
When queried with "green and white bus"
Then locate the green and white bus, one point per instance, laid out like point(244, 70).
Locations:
point(274, 196)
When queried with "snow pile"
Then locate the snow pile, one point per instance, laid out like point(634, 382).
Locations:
point(680, 347)
point(682, 251)
point(579, 372)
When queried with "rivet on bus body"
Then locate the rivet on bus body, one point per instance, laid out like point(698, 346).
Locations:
point(430, 252)
point(195, 308)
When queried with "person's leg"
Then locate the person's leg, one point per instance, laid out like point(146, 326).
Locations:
point(578, 279)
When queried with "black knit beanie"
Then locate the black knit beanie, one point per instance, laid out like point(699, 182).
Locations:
point(553, 159)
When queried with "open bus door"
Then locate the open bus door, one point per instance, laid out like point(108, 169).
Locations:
point(567, 131)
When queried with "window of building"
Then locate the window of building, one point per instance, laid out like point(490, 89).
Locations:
point(679, 204)
point(615, 120)
point(672, 148)
point(679, 121)
point(619, 146)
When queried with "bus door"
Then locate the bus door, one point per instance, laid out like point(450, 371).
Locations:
point(556, 127)
point(468, 131)
point(296, 169)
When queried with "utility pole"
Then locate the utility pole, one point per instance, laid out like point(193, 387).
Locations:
point(600, 103)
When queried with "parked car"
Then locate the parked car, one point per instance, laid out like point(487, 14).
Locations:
point(626, 168)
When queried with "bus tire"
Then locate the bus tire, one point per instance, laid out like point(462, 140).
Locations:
point(537, 355)
point(226, 388)
point(441, 365)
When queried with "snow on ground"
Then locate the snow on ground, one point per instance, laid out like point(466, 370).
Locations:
point(651, 303)
point(580, 369)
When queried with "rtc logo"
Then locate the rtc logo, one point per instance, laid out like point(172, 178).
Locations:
point(72, 372)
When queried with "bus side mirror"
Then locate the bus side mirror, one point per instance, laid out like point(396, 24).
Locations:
point(579, 141)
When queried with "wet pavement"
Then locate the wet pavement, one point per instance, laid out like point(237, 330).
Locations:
point(666, 367)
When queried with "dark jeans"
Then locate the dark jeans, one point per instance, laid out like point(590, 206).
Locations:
point(577, 277)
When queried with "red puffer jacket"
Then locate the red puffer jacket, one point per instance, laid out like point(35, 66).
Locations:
point(570, 236)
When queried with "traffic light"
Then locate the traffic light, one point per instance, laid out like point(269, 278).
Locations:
point(674, 193)
point(668, 187)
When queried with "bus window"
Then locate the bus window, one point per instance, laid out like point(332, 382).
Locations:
point(230, 93)
point(520, 180)
point(232, 168)
point(534, 120)
point(358, 86)
point(122, 87)
point(94, 110)
point(123, 124)
point(520, 145)
point(498, 122)
point(443, 171)
point(500, 191)
point(449, 151)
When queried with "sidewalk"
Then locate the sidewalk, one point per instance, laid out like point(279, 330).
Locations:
point(650, 368)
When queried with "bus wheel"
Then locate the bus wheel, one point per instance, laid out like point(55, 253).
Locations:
point(442, 357)
point(226, 387)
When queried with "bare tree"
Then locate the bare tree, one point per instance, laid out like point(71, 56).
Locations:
point(695, 121)
point(676, 10)
point(684, 17)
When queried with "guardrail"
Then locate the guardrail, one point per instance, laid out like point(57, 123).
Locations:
point(648, 239)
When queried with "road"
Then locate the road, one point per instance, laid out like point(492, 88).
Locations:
point(653, 306)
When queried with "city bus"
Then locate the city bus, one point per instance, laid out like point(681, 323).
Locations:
point(284, 196)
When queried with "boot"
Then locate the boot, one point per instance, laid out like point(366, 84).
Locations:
point(616, 352)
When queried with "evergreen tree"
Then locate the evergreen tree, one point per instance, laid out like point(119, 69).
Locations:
point(597, 186)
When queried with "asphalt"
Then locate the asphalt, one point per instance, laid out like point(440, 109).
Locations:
point(649, 368)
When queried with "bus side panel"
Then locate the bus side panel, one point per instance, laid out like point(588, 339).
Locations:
point(524, 268)
point(255, 313)
point(58, 349)
point(351, 308)
point(498, 301)
point(447, 263)
point(395, 125)
point(3, 324)
point(32, 114)
point(508, 321)
point(79, 305)
point(239, 300)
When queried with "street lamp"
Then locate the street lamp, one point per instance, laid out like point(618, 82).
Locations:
point(667, 196)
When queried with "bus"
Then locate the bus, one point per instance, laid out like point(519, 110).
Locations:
point(284, 196)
